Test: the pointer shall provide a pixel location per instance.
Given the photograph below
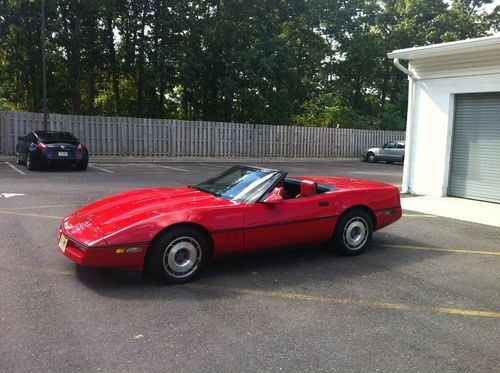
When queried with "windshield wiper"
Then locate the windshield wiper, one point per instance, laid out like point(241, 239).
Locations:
point(204, 190)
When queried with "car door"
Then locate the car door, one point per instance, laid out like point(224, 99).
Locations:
point(400, 151)
point(387, 152)
point(294, 222)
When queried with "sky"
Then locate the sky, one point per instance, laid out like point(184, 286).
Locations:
point(491, 6)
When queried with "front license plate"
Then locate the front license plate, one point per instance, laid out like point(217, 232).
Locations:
point(63, 241)
point(62, 154)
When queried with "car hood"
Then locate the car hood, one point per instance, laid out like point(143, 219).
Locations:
point(99, 220)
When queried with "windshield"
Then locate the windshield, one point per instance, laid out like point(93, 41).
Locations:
point(51, 137)
point(241, 183)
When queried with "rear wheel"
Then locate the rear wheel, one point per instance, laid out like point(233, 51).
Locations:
point(370, 157)
point(353, 232)
point(178, 255)
point(30, 162)
point(18, 159)
point(82, 165)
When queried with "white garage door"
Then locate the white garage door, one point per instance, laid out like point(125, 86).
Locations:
point(475, 157)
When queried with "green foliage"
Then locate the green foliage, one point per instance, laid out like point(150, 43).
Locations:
point(302, 62)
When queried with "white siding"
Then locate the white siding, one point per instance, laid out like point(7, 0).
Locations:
point(432, 116)
point(483, 62)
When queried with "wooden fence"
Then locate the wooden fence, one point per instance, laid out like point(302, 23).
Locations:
point(138, 137)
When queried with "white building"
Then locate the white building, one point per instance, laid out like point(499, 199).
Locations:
point(453, 126)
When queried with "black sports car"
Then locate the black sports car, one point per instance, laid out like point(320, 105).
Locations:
point(51, 147)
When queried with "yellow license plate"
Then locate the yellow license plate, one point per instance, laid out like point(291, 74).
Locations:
point(63, 241)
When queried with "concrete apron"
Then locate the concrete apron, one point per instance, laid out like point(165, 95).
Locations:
point(455, 208)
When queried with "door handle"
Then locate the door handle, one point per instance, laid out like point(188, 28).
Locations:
point(324, 203)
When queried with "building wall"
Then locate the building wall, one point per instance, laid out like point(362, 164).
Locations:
point(432, 125)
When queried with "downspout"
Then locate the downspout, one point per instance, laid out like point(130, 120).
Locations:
point(406, 185)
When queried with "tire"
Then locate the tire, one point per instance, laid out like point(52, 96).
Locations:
point(370, 157)
point(82, 165)
point(178, 255)
point(18, 160)
point(390, 162)
point(353, 232)
point(30, 163)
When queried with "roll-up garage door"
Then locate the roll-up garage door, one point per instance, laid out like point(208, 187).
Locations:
point(475, 156)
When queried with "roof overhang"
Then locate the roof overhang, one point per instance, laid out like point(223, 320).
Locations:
point(445, 49)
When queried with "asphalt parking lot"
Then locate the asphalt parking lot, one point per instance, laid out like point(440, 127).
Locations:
point(424, 296)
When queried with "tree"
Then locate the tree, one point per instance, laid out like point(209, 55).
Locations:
point(304, 62)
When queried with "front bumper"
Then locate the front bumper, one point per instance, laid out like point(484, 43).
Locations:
point(127, 256)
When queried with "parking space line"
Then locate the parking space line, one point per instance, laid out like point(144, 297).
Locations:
point(424, 248)
point(15, 168)
point(350, 302)
point(29, 269)
point(173, 168)
point(14, 209)
point(211, 165)
point(31, 215)
point(99, 168)
point(419, 216)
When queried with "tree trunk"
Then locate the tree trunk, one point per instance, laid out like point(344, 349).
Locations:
point(385, 83)
point(92, 92)
point(112, 59)
point(140, 66)
point(76, 61)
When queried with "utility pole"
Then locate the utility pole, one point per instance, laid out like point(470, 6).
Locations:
point(44, 68)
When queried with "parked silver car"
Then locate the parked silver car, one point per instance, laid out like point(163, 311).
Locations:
point(393, 151)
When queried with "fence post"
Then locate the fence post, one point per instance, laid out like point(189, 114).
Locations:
point(3, 125)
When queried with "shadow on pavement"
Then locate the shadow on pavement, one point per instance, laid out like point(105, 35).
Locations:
point(312, 267)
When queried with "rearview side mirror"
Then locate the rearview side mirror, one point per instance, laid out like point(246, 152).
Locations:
point(274, 199)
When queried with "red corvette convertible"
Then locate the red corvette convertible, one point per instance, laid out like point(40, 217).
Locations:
point(173, 232)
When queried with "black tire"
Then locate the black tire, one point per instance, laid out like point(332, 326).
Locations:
point(82, 165)
point(370, 157)
point(353, 232)
point(178, 255)
point(30, 162)
point(18, 160)
point(390, 162)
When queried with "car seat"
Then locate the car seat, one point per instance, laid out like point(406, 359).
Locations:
point(307, 188)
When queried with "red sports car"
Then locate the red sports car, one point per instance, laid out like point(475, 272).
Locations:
point(173, 232)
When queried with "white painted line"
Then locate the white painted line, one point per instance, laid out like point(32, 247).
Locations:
point(102, 169)
point(32, 215)
point(419, 216)
point(8, 195)
point(173, 168)
point(211, 165)
point(15, 168)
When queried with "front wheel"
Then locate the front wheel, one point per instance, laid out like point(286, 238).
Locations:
point(353, 232)
point(178, 255)
point(370, 157)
